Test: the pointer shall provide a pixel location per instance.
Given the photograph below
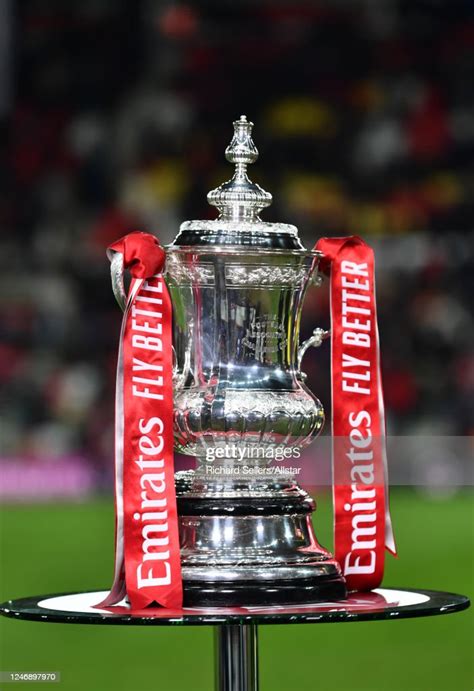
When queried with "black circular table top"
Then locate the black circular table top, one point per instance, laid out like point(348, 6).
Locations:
point(383, 603)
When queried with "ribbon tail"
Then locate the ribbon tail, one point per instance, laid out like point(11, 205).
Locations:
point(362, 522)
point(118, 589)
point(147, 550)
point(150, 517)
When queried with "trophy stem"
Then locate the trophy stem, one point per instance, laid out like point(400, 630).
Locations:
point(236, 657)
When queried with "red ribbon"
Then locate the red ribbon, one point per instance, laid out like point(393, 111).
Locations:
point(147, 556)
point(362, 523)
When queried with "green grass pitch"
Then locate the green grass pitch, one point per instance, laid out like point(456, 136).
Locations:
point(69, 547)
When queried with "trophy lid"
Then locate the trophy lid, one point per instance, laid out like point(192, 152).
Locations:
point(240, 199)
point(239, 202)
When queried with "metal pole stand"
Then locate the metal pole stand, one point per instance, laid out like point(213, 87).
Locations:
point(236, 657)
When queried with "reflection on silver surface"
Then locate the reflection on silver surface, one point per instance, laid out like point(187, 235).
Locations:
point(274, 546)
point(239, 383)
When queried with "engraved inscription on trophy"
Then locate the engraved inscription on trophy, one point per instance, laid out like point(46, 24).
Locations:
point(264, 337)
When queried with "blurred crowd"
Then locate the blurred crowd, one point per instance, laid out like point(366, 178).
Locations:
point(115, 116)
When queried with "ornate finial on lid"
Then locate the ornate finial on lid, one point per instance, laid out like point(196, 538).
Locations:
point(240, 199)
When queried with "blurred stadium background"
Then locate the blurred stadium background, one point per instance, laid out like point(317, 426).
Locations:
point(114, 116)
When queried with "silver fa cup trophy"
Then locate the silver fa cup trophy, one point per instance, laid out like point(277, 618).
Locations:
point(237, 286)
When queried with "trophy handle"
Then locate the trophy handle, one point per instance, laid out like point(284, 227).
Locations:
point(116, 274)
point(319, 335)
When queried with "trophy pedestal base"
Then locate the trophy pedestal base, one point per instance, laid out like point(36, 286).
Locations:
point(253, 593)
point(247, 545)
